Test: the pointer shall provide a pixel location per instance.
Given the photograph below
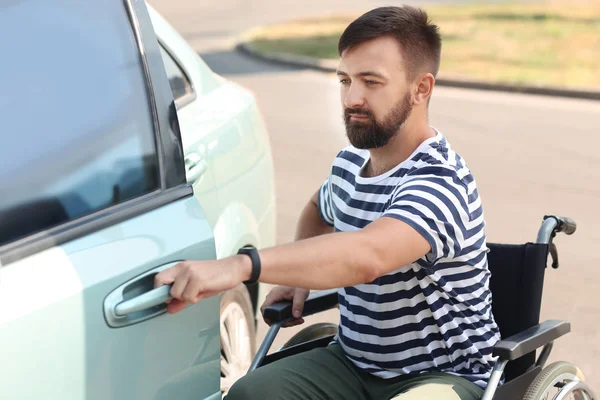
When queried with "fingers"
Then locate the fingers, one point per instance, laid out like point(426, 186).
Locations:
point(298, 302)
point(192, 281)
point(268, 301)
point(174, 306)
point(274, 296)
point(184, 289)
point(167, 276)
point(179, 286)
point(298, 297)
point(279, 293)
point(192, 292)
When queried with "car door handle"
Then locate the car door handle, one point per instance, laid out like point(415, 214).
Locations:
point(145, 301)
point(195, 167)
point(137, 300)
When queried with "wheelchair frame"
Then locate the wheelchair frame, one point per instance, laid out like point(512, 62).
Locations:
point(541, 335)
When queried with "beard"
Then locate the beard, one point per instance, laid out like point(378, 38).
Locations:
point(371, 134)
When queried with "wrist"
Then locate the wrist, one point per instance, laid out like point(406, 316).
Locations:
point(251, 253)
point(244, 266)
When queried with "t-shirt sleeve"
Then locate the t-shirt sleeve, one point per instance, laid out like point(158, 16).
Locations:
point(436, 208)
point(324, 203)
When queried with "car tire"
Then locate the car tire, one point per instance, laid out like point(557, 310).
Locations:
point(238, 335)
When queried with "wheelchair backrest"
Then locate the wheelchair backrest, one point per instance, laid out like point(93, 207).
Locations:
point(517, 280)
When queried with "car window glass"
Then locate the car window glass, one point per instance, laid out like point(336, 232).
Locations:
point(180, 84)
point(77, 128)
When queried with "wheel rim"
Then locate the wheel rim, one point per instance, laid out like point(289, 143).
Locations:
point(557, 383)
point(236, 349)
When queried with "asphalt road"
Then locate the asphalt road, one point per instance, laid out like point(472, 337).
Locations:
point(531, 155)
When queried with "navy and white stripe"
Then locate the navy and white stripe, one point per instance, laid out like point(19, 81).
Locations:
point(432, 315)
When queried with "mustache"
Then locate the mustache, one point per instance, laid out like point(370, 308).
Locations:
point(357, 111)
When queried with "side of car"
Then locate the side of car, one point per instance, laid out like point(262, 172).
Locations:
point(228, 160)
point(94, 203)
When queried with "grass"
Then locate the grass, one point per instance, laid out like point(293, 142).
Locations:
point(553, 43)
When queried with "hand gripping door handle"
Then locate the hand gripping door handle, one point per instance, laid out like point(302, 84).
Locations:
point(145, 301)
point(137, 300)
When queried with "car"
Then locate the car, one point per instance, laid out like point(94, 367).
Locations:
point(122, 154)
point(228, 160)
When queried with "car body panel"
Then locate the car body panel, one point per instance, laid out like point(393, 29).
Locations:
point(69, 352)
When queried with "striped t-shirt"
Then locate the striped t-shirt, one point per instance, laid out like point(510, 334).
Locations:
point(434, 314)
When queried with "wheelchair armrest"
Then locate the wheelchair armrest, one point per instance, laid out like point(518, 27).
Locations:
point(531, 339)
point(316, 302)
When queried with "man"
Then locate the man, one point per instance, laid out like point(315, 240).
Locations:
point(409, 248)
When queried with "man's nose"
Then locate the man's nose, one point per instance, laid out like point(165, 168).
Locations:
point(354, 98)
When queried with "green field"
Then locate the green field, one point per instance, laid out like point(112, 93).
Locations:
point(556, 43)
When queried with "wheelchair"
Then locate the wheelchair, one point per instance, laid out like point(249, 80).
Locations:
point(516, 283)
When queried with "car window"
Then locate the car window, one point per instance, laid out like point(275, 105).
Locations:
point(180, 84)
point(77, 128)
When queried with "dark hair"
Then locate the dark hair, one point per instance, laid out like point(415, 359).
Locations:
point(410, 26)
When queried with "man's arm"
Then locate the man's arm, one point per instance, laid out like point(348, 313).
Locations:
point(322, 262)
point(310, 223)
point(343, 258)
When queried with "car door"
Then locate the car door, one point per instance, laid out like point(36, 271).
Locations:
point(94, 203)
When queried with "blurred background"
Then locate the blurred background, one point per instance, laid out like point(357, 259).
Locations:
point(532, 155)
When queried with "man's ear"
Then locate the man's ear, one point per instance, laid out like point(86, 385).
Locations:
point(424, 84)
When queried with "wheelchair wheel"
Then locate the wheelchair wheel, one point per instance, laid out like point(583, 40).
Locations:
point(552, 378)
point(312, 332)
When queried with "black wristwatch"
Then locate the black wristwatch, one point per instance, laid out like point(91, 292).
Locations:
point(253, 254)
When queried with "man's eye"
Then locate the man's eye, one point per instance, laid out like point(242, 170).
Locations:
point(371, 83)
point(344, 81)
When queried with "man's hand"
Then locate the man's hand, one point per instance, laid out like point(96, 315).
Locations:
point(279, 293)
point(195, 280)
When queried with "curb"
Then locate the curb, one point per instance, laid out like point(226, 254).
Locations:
point(331, 66)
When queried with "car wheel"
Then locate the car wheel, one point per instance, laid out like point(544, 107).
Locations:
point(238, 336)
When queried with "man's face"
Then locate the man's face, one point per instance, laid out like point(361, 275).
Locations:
point(375, 93)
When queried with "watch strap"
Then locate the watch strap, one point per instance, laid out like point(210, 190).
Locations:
point(252, 252)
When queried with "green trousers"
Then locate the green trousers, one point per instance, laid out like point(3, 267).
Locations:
point(326, 373)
